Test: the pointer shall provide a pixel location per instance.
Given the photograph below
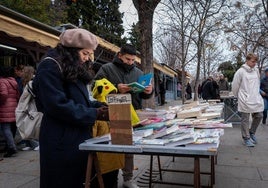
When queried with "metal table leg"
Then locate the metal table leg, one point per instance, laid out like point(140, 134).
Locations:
point(89, 168)
point(151, 171)
point(92, 158)
point(196, 172)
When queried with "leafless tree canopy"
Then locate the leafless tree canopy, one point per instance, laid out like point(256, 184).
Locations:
point(197, 36)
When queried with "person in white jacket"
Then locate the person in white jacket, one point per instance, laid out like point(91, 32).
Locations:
point(246, 87)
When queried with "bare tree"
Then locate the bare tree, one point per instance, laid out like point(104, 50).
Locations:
point(168, 51)
point(206, 24)
point(179, 17)
point(191, 24)
point(265, 7)
point(247, 27)
point(212, 55)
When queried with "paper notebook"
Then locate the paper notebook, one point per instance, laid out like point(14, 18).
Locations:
point(142, 82)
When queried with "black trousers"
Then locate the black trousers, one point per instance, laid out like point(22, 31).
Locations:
point(264, 116)
point(162, 98)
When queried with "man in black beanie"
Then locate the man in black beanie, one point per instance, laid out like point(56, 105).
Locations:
point(121, 72)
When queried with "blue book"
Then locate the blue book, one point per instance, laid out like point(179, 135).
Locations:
point(143, 81)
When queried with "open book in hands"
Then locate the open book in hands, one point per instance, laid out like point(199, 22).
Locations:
point(142, 83)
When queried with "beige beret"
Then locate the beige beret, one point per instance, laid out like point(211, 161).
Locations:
point(78, 38)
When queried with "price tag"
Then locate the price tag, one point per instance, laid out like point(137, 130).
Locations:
point(118, 99)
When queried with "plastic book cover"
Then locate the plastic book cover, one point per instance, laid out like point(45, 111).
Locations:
point(165, 132)
point(143, 133)
point(204, 146)
point(141, 83)
point(185, 141)
point(151, 142)
point(154, 126)
point(206, 133)
point(180, 133)
point(208, 140)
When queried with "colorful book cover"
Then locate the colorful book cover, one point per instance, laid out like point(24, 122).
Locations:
point(141, 83)
point(136, 87)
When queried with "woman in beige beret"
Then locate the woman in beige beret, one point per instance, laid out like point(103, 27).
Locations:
point(68, 114)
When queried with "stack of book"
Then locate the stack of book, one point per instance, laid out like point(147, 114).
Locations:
point(197, 126)
point(206, 139)
point(149, 113)
point(172, 136)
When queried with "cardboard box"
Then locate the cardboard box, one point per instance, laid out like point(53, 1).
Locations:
point(120, 118)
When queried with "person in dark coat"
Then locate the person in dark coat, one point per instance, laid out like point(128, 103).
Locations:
point(123, 71)
point(19, 73)
point(222, 83)
point(264, 94)
point(162, 92)
point(188, 91)
point(210, 89)
point(68, 114)
point(199, 91)
point(120, 73)
point(216, 90)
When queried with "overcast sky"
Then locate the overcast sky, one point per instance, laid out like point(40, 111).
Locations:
point(130, 14)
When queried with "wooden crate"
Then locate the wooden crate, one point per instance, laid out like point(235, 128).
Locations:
point(120, 119)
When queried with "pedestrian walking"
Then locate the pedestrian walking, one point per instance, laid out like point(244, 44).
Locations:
point(246, 87)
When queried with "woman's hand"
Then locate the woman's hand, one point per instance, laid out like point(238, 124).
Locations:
point(103, 113)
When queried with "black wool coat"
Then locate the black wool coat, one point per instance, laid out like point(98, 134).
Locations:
point(67, 121)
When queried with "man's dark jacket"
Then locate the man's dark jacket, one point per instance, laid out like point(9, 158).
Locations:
point(210, 90)
point(119, 72)
point(264, 85)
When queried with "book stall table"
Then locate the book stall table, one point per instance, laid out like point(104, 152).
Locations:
point(191, 131)
point(98, 145)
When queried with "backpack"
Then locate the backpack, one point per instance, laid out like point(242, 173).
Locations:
point(28, 119)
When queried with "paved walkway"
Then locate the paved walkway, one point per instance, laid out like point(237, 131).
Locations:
point(238, 166)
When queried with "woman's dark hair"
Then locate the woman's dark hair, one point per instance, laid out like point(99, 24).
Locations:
point(72, 69)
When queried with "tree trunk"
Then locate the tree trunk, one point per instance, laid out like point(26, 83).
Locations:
point(145, 12)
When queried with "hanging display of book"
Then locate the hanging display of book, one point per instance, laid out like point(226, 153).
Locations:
point(142, 82)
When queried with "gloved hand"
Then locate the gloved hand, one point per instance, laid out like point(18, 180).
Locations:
point(102, 113)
